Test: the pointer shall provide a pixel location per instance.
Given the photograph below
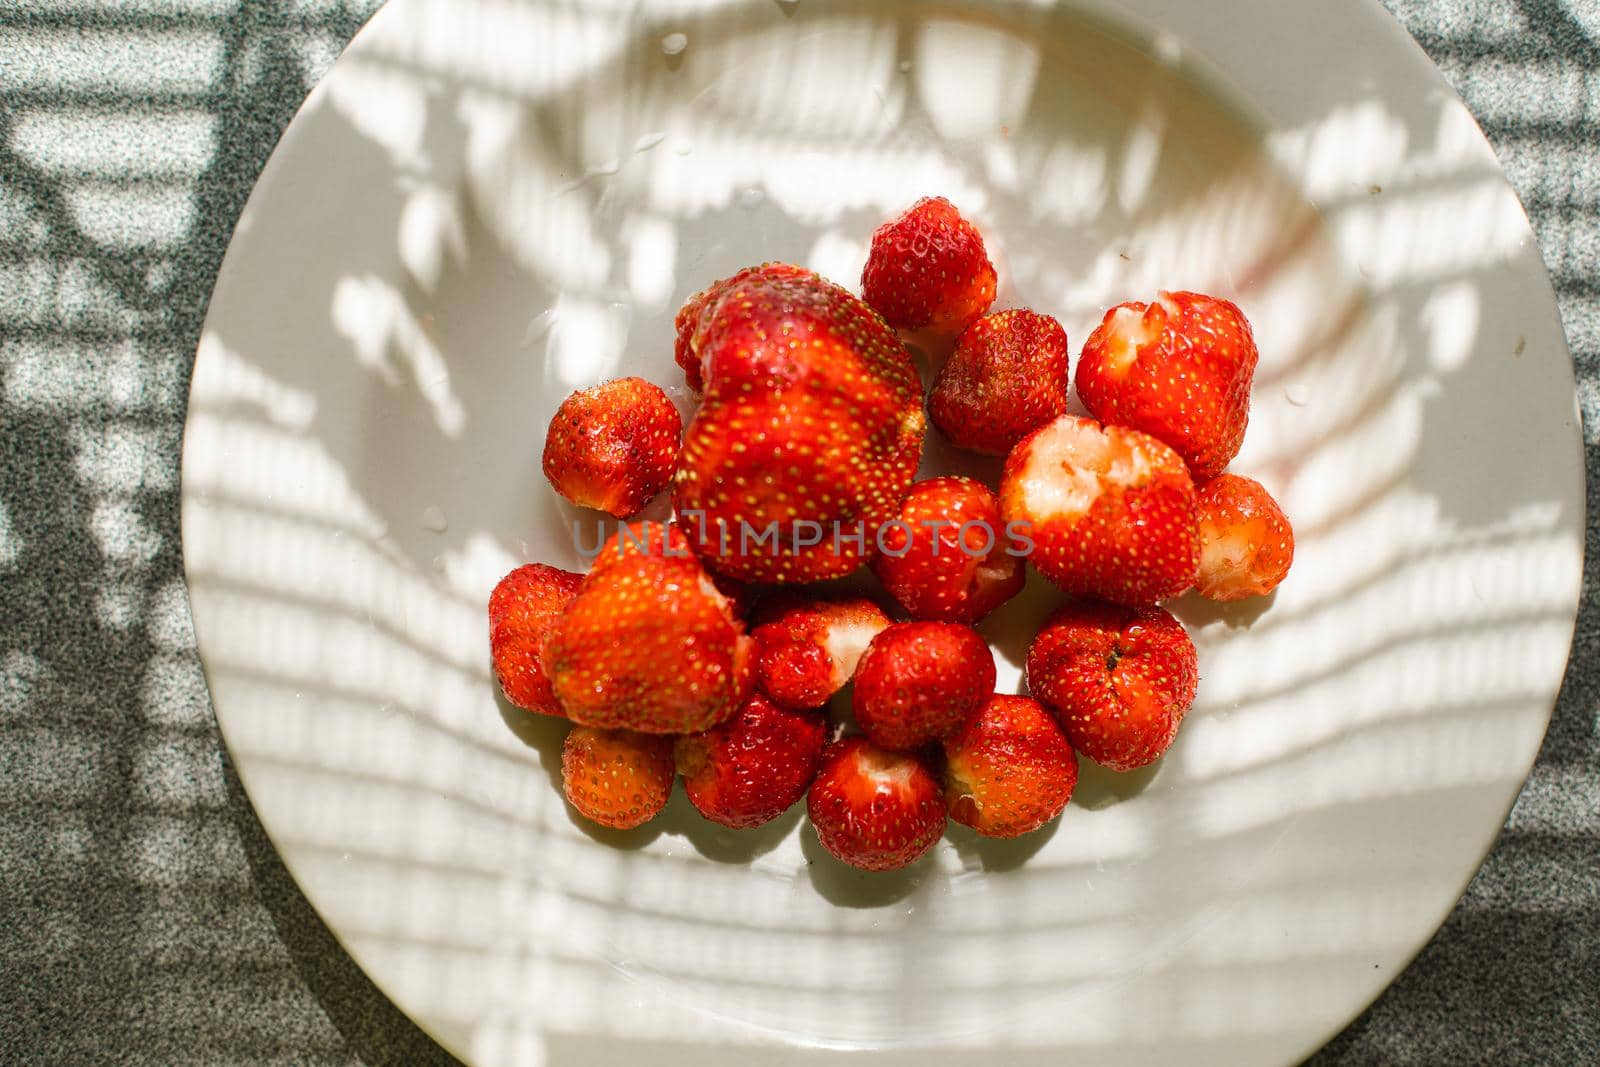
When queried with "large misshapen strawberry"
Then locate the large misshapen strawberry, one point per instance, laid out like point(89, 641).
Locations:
point(1179, 369)
point(928, 268)
point(523, 609)
point(753, 767)
point(1110, 511)
point(648, 644)
point(949, 557)
point(809, 431)
point(1120, 679)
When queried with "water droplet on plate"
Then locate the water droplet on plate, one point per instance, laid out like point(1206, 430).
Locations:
point(673, 44)
point(433, 518)
point(751, 198)
point(684, 148)
point(649, 141)
point(905, 66)
point(1297, 394)
point(539, 328)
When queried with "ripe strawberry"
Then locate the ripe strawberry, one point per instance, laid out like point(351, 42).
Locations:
point(644, 538)
point(1007, 376)
point(617, 778)
point(806, 650)
point(749, 770)
point(919, 681)
point(1178, 369)
point(649, 644)
point(698, 314)
point(949, 557)
point(612, 447)
point(522, 610)
point(1110, 511)
point(810, 430)
point(1009, 770)
point(873, 809)
point(1246, 543)
point(1119, 679)
point(928, 268)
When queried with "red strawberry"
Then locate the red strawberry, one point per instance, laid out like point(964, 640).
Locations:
point(1120, 679)
point(873, 809)
point(1009, 770)
point(1178, 369)
point(1110, 511)
point(806, 650)
point(1246, 543)
point(928, 268)
point(949, 557)
point(522, 610)
point(810, 429)
point(612, 447)
point(649, 644)
point(1007, 376)
point(749, 770)
point(919, 681)
point(617, 778)
point(695, 319)
point(644, 538)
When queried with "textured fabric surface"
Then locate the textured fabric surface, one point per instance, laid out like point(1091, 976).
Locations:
point(144, 916)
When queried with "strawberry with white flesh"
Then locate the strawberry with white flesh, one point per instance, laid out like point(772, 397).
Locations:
point(807, 649)
point(1179, 369)
point(874, 809)
point(1246, 542)
point(1111, 511)
point(949, 558)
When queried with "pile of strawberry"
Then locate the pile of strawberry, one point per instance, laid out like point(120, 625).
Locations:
point(671, 662)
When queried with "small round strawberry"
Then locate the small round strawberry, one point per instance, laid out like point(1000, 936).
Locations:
point(1246, 542)
point(522, 610)
point(1110, 511)
point(753, 767)
point(1009, 770)
point(617, 778)
point(949, 557)
point(874, 809)
point(649, 644)
point(1179, 369)
point(612, 447)
point(1007, 376)
point(919, 681)
point(809, 432)
point(1120, 679)
point(807, 650)
point(928, 268)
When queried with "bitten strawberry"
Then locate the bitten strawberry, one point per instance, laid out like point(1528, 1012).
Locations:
point(1179, 369)
point(753, 767)
point(648, 644)
point(612, 447)
point(806, 650)
point(928, 268)
point(1007, 376)
point(874, 809)
point(1246, 542)
point(522, 610)
point(1009, 770)
point(1111, 511)
point(809, 432)
point(949, 557)
point(919, 681)
point(1119, 679)
point(616, 778)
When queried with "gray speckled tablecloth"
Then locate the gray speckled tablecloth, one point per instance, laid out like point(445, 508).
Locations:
point(144, 916)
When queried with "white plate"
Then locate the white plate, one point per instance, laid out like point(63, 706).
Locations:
point(490, 202)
